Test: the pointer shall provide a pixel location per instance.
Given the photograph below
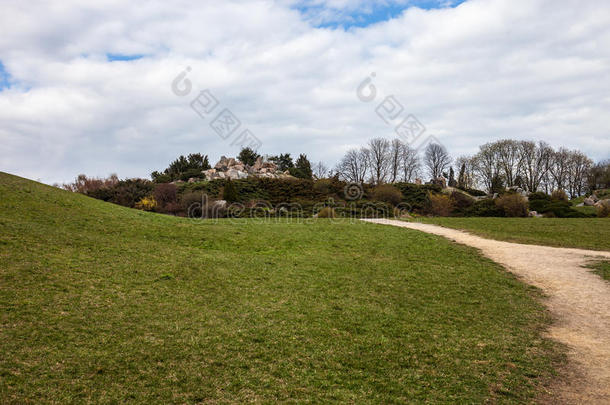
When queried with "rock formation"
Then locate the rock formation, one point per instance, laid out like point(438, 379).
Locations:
point(229, 168)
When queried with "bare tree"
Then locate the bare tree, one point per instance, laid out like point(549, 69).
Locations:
point(353, 167)
point(410, 164)
point(395, 159)
point(559, 168)
point(580, 167)
point(320, 170)
point(436, 159)
point(379, 162)
point(535, 166)
point(509, 159)
point(487, 165)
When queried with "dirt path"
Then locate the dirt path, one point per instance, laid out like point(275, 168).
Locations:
point(578, 299)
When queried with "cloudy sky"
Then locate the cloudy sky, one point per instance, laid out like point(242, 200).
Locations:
point(86, 87)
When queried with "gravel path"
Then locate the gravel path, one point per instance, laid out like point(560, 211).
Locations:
point(578, 299)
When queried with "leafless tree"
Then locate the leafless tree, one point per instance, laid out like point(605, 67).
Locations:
point(379, 162)
point(580, 167)
point(353, 167)
point(395, 159)
point(536, 159)
point(436, 159)
point(487, 164)
point(559, 168)
point(410, 164)
point(320, 170)
point(509, 159)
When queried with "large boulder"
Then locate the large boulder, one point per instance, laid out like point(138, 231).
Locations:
point(589, 202)
point(223, 164)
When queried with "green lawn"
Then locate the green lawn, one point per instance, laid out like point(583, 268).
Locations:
point(602, 269)
point(585, 233)
point(103, 304)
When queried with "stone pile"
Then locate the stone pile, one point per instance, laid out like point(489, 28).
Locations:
point(230, 168)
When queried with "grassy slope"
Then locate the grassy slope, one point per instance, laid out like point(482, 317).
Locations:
point(99, 303)
point(586, 233)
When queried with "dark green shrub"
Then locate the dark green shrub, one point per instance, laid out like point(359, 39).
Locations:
point(229, 192)
point(461, 202)
point(484, 208)
point(539, 195)
point(387, 193)
point(323, 187)
point(561, 209)
point(513, 205)
point(416, 195)
point(473, 192)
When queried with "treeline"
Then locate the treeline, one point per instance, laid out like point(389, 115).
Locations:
point(496, 166)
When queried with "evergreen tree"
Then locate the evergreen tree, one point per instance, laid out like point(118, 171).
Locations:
point(302, 168)
point(452, 182)
point(248, 156)
point(229, 192)
point(283, 161)
point(462, 176)
point(183, 168)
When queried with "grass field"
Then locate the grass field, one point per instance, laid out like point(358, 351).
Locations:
point(585, 233)
point(103, 304)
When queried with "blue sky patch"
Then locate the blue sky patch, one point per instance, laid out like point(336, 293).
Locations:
point(326, 17)
point(4, 78)
point(112, 57)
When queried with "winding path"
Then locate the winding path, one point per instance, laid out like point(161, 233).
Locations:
point(578, 299)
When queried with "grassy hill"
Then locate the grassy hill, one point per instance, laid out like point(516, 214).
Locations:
point(103, 304)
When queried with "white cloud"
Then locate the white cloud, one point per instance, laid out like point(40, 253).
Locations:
point(481, 71)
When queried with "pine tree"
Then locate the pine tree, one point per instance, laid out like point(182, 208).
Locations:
point(462, 177)
point(229, 192)
point(302, 168)
point(452, 182)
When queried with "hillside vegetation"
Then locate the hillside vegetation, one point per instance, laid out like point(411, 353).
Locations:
point(105, 304)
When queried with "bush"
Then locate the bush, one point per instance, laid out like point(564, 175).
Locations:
point(146, 204)
point(229, 192)
point(539, 195)
point(387, 193)
point(474, 192)
point(86, 185)
point(484, 208)
point(603, 210)
point(192, 203)
point(323, 187)
point(461, 202)
point(327, 212)
point(440, 205)
point(416, 195)
point(560, 209)
point(559, 195)
point(513, 205)
point(125, 192)
point(165, 194)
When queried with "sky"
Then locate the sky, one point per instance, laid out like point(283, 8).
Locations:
point(125, 87)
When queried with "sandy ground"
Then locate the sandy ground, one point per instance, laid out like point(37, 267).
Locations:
point(578, 299)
